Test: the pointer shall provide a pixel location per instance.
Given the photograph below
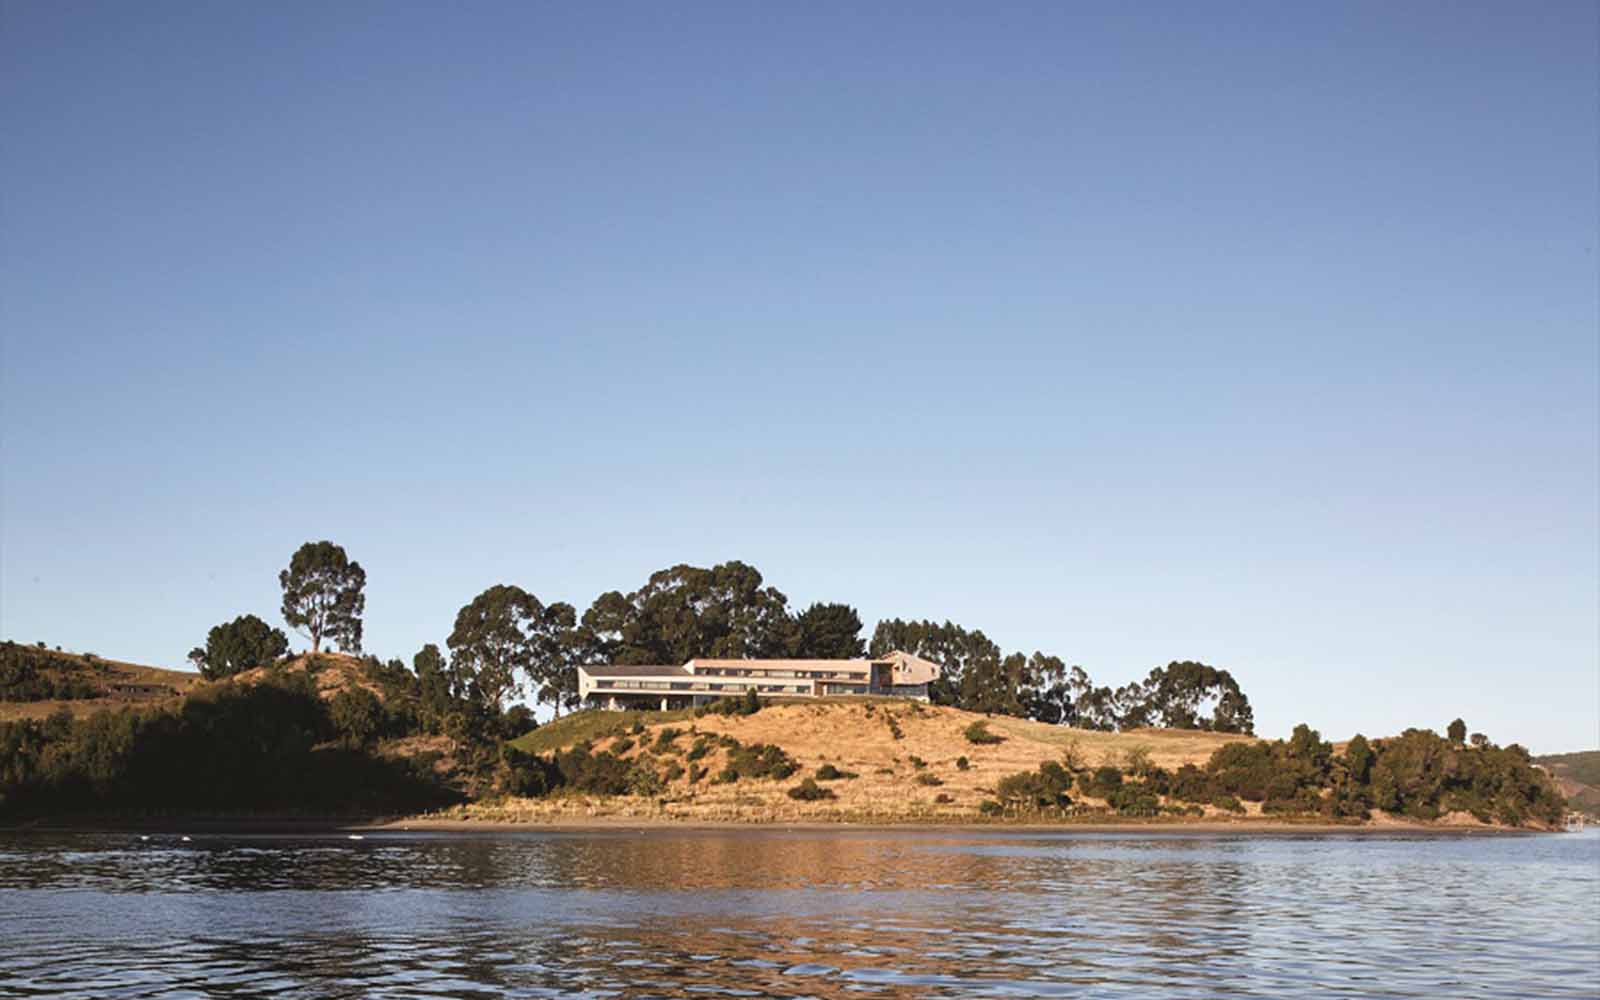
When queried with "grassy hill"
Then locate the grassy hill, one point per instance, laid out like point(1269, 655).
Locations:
point(1578, 775)
point(905, 755)
point(36, 682)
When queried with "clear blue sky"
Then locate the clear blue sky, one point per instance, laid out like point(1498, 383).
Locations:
point(1260, 334)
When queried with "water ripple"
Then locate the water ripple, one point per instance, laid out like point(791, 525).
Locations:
point(814, 914)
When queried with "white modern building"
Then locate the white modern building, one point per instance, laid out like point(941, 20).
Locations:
point(702, 680)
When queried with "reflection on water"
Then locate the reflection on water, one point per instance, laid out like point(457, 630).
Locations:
point(802, 914)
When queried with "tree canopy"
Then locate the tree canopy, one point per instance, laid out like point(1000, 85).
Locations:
point(687, 612)
point(829, 632)
point(242, 644)
point(322, 595)
point(504, 637)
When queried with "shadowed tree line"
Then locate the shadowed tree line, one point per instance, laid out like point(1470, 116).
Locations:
point(1419, 774)
point(271, 746)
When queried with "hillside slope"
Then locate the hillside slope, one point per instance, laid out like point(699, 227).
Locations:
point(859, 737)
point(1578, 776)
point(36, 682)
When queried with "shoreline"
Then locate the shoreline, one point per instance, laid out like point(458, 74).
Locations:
point(266, 826)
point(601, 824)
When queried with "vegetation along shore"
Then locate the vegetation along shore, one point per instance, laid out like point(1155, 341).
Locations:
point(260, 733)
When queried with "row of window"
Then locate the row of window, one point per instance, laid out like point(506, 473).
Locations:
point(830, 675)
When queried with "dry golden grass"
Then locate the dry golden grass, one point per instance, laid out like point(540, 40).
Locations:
point(110, 674)
point(852, 736)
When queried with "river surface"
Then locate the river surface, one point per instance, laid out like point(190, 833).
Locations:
point(844, 913)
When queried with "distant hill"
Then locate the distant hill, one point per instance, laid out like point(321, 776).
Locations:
point(1578, 775)
point(36, 681)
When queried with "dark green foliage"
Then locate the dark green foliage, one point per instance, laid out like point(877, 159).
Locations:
point(1134, 799)
point(989, 807)
point(828, 772)
point(688, 611)
point(929, 778)
point(622, 745)
point(1101, 783)
point(504, 635)
point(664, 739)
point(30, 673)
point(322, 595)
point(1190, 784)
point(696, 772)
point(1457, 732)
point(357, 716)
point(761, 760)
point(1045, 788)
point(1358, 759)
point(242, 644)
point(582, 770)
point(1228, 803)
point(1278, 770)
point(726, 776)
point(810, 791)
point(748, 704)
point(701, 746)
point(962, 763)
point(673, 772)
point(894, 726)
point(526, 774)
point(233, 747)
point(979, 733)
point(918, 762)
point(1418, 773)
point(829, 632)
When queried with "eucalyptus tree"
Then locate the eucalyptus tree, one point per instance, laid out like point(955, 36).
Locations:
point(323, 595)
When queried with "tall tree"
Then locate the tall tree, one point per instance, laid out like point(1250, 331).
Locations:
point(322, 595)
point(242, 644)
point(952, 647)
point(504, 636)
point(829, 632)
point(687, 612)
point(436, 691)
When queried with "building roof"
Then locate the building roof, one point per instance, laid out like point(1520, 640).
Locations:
point(707, 661)
point(642, 670)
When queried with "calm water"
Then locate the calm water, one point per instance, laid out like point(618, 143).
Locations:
point(804, 914)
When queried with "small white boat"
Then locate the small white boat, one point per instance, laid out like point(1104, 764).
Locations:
point(355, 836)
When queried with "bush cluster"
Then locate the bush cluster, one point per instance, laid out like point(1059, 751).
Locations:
point(979, 733)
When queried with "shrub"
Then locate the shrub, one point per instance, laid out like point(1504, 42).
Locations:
point(979, 733)
point(701, 747)
point(637, 728)
point(989, 807)
point(810, 791)
point(929, 779)
point(1101, 783)
point(673, 773)
point(726, 776)
point(696, 772)
point(828, 772)
point(762, 760)
point(1045, 788)
point(1134, 800)
point(665, 738)
point(622, 745)
point(962, 763)
point(356, 715)
point(1228, 803)
point(1190, 784)
point(943, 798)
point(918, 762)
